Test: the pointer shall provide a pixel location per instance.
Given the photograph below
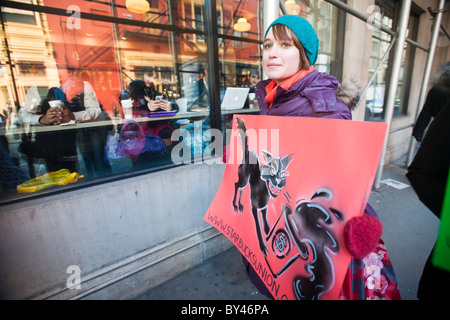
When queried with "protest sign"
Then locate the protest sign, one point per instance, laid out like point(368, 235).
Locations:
point(289, 187)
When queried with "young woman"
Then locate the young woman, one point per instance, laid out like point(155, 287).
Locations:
point(295, 89)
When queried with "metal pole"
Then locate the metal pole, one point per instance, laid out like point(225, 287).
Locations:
point(394, 77)
point(174, 43)
point(283, 7)
point(426, 78)
point(271, 12)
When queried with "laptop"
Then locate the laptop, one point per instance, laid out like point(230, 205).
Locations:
point(234, 98)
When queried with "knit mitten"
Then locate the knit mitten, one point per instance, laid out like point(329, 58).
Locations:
point(362, 234)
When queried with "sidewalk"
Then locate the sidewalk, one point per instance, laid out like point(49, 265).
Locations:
point(409, 234)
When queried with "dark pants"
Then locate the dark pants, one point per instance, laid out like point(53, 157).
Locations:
point(434, 283)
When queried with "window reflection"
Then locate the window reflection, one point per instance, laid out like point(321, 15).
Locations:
point(94, 67)
point(380, 44)
point(98, 58)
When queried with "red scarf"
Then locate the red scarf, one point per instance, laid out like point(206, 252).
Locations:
point(271, 88)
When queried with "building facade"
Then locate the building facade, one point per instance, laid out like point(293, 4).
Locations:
point(135, 220)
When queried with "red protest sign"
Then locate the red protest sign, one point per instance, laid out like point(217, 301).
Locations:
point(289, 187)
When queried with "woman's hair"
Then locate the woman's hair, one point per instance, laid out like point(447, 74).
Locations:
point(282, 32)
point(136, 89)
point(442, 79)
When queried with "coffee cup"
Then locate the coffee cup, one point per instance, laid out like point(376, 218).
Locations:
point(55, 104)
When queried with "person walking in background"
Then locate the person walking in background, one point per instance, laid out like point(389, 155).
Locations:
point(437, 97)
point(428, 174)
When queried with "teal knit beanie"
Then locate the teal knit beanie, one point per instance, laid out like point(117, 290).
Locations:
point(304, 32)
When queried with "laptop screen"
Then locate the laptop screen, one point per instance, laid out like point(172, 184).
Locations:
point(234, 98)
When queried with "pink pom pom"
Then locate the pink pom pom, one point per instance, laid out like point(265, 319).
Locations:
point(362, 234)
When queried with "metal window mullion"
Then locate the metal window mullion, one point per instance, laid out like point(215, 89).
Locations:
point(116, 46)
point(212, 62)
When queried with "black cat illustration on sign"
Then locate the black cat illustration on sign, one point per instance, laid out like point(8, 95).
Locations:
point(301, 236)
point(265, 182)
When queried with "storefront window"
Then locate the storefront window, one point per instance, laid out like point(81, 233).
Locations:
point(97, 58)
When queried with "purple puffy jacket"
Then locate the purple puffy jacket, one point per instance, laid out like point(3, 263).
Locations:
point(314, 96)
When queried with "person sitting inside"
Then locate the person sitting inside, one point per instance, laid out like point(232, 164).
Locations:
point(58, 148)
point(254, 80)
point(200, 98)
point(147, 100)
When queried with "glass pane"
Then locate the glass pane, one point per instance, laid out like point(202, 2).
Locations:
point(189, 15)
point(155, 11)
point(229, 14)
point(376, 93)
point(402, 99)
point(322, 17)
